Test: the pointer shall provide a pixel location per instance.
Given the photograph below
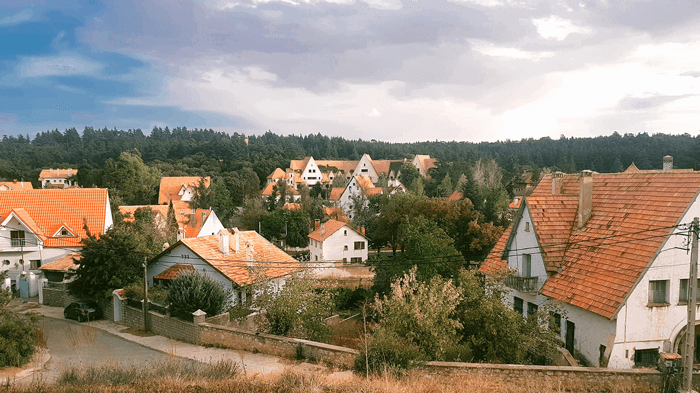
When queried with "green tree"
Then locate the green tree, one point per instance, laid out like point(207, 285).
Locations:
point(408, 174)
point(416, 187)
point(194, 290)
point(17, 335)
point(172, 225)
point(131, 180)
point(445, 188)
point(290, 225)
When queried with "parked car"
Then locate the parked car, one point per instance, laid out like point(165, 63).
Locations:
point(82, 311)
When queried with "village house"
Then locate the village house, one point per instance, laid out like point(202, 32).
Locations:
point(360, 186)
point(15, 186)
point(611, 251)
point(58, 178)
point(39, 226)
point(180, 188)
point(292, 195)
point(191, 222)
point(236, 259)
point(337, 241)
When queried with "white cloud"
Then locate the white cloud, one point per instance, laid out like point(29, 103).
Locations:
point(30, 67)
point(509, 53)
point(17, 18)
point(557, 28)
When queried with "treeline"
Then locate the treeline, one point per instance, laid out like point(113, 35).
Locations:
point(205, 152)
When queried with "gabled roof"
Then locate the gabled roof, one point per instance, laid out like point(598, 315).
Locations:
point(364, 182)
point(51, 208)
point(57, 173)
point(336, 192)
point(277, 174)
point(267, 191)
point(15, 186)
point(426, 162)
point(335, 213)
point(65, 263)
point(183, 215)
point(455, 196)
point(170, 187)
point(173, 271)
point(328, 228)
point(632, 216)
point(291, 206)
point(268, 260)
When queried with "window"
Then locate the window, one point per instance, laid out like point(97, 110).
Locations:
point(359, 245)
point(555, 321)
point(683, 291)
point(34, 264)
point(646, 357)
point(658, 292)
point(17, 238)
point(531, 309)
point(527, 265)
point(345, 232)
point(317, 257)
point(518, 305)
point(345, 247)
point(6, 262)
point(345, 260)
point(527, 227)
point(356, 259)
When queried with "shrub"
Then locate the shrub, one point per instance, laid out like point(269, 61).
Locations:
point(388, 352)
point(192, 291)
point(17, 335)
point(156, 294)
point(350, 299)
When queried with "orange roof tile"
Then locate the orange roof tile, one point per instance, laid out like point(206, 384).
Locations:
point(57, 173)
point(336, 192)
point(51, 208)
point(493, 264)
point(335, 213)
point(291, 206)
point(364, 182)
point(455, 196)
point(277, 174)
point(327, 229)
point(170, 187)
point(173, 271)
point(15, 186)
point(65, 263)
point(268, 260)
point(267, 191)
point(183, 215)
point(601, 262)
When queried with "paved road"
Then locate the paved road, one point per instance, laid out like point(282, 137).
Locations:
point(75, 344)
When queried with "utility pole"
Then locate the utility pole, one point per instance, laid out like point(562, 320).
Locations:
point(146, 319)
point(689, 353)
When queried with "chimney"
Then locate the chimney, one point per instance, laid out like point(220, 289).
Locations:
point(223, 241)
point(193, 219)
point(204, 218)
point(557, 183)
point(58, 172)
point(668, 163)
point(70, 172)
point(236, 240)
point(323, 229)
point(363, 231)
point(317, 224)
point(165, 246)
point(585, 198)
point(180, 234)
point(250, 253)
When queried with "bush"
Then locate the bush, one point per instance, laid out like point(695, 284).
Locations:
point(17, 336)
point(192, 291)
point(388, 352)
point(156, 294)
point(350, 299)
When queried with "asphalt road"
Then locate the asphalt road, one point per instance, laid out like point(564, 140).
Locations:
point(78, 344)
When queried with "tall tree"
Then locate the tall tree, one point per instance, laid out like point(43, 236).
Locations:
point(130, 179)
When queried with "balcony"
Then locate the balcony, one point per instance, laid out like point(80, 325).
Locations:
point(522, 284)
point(18, 242)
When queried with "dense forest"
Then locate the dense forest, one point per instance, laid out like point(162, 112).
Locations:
point(241, 161)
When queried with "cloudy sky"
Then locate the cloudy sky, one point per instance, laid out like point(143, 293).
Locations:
point(393, 70)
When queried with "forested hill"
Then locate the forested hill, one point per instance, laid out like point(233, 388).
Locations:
point(206, 152)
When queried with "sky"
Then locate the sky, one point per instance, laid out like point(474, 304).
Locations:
point(391, 70)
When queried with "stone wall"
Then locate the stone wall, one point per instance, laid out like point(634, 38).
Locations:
point(57, 297)
point(221, 319)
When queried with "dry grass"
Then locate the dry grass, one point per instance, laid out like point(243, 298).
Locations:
point(225, 378)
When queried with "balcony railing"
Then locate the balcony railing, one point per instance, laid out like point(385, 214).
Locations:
point(18, 242)
point(522, 284)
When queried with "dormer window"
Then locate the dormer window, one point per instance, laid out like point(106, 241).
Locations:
point(63, 232)
point(527, 227)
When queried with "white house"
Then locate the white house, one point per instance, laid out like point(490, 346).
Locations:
point(15, 186)
point(235, 259)
point(337, 241)
point(180, 188)
point(610, 250)
point(357, 186)
point(39, 226)
point(57, 178)
point(191, 222)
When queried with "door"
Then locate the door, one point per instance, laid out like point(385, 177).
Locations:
point(570, 327)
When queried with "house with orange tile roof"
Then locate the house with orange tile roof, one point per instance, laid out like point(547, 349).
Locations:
point(57, 178)
point(191, 222)
point(40, 226)
point(15, 186)
point(234, 258)
point(423, 163)
point(611, 251)
point(180, 188)
point(337, 241)
point(293, 194)
point(61, 269)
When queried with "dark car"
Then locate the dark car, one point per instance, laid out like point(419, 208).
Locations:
point(82, 311)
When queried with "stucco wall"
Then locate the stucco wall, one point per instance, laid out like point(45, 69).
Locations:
point(525, 242)
point(333, 247)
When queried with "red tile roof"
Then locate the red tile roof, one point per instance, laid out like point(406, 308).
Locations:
point(336, 192)
point(277, 174)
point(173, 271)
point(170, 187)
point(65, 263)
point(455, 196)
point(57, 173)
point(632, 215)
point(335, 213)
point(327, 229)
point(291, 206)
point(268, 260)
point(267, 191)
point(183, 215)
point(51, 208)
point(15, 186)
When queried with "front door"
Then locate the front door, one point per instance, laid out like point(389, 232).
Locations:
point(570, 327)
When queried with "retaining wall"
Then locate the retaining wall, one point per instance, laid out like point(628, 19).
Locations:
point(57, 297)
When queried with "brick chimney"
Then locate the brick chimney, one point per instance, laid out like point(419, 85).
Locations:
point(236, 240)
point(362, 231)
point(223, 241)
point(668, 163)
point(180, 234)
point(250, 253)
point(317, 224)
point(323, 229)
point(585, 198)
point(557, 183)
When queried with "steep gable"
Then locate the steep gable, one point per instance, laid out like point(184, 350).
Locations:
point(171, 187)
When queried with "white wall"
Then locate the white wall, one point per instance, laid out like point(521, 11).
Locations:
point(211, 226)
point(366, 168)
point(311, 174)
point(333, 248)
point(525, 242)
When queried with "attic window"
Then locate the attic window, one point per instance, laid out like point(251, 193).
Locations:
point(658, 293)
point(63, 232)
point(527, 226)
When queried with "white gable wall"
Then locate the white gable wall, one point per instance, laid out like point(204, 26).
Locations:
point(311, 174)
point(211, 226)
point(641, 326)
point(525, 242)
point(366, 168)
point(333, 248)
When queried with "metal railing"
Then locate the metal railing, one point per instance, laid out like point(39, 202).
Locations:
point(18, 242)
point(522, 284)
